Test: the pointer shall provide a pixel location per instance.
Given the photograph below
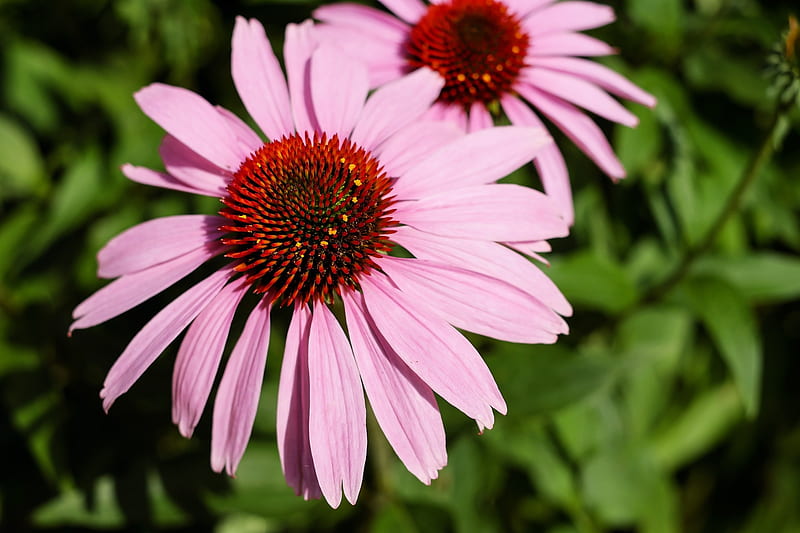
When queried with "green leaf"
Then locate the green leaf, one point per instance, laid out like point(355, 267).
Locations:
point(392, 518)
point(593, 282)
point(543, 379)
point(21, 166)
point(71, 508)
point(732, 326)
point(765, 277)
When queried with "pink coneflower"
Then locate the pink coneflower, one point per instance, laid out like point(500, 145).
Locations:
point(308, 220)
point(512, 55)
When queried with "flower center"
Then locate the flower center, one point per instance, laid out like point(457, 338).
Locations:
point(307, 217)
point(478, 46)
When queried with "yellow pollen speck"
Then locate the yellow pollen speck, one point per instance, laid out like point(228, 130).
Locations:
point(351, 166)
point(342, 160)
point(298, 244)
point(515, 49)
point(461, 77)
point(345, 218)
point(354, 199)
point(243, 217)
point(358, 183)
point(324, 243)
point(331, 231)
point(487, 78)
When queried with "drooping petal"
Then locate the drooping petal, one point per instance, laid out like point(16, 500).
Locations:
point(477, 158)
point(337, 423)
point(579, 92)
point(339, 87)
point(239, 391)
point(395, 105)
point(293, 402)
point(193, 121)
point(433, 350)
point(476, 302)
point(156, 241)
point(598, 74)
point(147, 176)
point(488, 258)
point(132, 289)
point(578, 127)
point(568, 44)
point(479, 117)
point(409, 10)
point(185, 164)
point(568, 16)
point(259, 79)
point(414, 143)
point(495, 212)
point(403, 404)
point(549, 162)
point(199, 356)
point(297, 49)
point(157, 334)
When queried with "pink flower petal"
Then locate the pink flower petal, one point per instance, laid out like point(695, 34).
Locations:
point(444, 112)
point(413, 143)
point(395, 105)
point(403, 404)
point(476, 158)
point(409, 10)
point(157, 334)
point(365, 20)
point(199, 356)
point(259, 79)
point(599, 75)
point(549, 161)
point(193, 121)
point(160, 179)
point(239, 391)
point(578, 127)
point(433, 350)
point(568, 44)
point(338, 89)
point(568, 16)
point(337, 423)
point(297, 49)
point(248, 139)
point(488, 258)
point(132, 289)
point(524, 7)
point(156, 241)
point(497, 212)
point(192, 169)
point(293, 402)
point(479, 117)
point(476, 302)
point(579, 92)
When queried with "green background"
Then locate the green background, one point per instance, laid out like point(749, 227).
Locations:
point(663, 411)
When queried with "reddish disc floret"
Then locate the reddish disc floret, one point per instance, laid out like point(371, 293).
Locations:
point(308, 215)
point(478, 46)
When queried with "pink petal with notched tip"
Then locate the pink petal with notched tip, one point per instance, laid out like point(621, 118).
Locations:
point(487, 258)
point(157, 334)
point(185, 164)
point(495, 212)
point(156, 241)
point(433, 350)
point(297, 49)
point(476, 302)
point(199, 356)
point(259, 79)
point(193, 121)
point(132, 289)
point(394, 106)
point(147, 176)
point(414, 143)
point(337, 423)
point(404, 406)
point(598, 74)
point(568, 16)
point(578, 127)
point(477, 158)
point(292, 415)
point(338, 89)
point(578, 92)
point(239, 391)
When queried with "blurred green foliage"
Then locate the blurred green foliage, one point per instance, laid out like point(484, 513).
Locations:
point(663, 411)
